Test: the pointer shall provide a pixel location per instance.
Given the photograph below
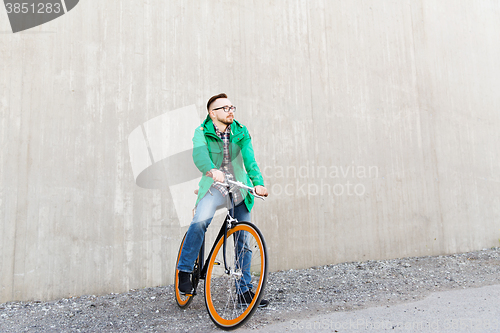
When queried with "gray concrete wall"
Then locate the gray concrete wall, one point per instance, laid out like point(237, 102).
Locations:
point(405, 93)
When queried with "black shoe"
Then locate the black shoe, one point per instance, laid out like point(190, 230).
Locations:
point(185, 286)
point(246, 298)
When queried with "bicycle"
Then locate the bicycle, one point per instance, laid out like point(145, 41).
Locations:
point(223, 268)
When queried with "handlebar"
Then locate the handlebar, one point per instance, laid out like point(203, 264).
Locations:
point(240, 184)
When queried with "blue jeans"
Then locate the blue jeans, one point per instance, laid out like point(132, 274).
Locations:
point(203, 216)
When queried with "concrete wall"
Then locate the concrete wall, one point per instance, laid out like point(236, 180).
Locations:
point(405, 93)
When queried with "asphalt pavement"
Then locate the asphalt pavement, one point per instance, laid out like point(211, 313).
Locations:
point(465, 310)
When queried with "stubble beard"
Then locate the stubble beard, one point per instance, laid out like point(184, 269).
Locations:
point(226, 121)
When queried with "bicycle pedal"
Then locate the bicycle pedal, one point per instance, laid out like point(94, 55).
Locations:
point(192, 293)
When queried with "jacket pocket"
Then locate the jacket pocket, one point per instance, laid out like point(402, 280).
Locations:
point(238, 137)
point(216, 150)
point(215, 147)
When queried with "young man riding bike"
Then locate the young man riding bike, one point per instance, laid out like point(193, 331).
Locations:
point(221, 145)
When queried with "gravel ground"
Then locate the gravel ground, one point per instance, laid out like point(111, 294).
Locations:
point(293, 294)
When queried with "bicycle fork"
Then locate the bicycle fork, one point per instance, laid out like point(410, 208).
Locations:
point(228, 225)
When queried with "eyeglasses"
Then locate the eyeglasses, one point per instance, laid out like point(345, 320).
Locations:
point(227, 108)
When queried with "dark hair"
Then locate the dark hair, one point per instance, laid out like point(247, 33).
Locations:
point(213, 98)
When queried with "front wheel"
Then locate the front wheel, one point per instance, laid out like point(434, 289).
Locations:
point(246, 259)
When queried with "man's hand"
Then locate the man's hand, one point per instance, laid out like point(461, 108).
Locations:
point(261, 190)
point(217, 175)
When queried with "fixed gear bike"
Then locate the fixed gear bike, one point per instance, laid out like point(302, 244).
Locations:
point(227, 262)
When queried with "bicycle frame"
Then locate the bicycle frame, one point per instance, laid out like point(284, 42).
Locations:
point(229, 222)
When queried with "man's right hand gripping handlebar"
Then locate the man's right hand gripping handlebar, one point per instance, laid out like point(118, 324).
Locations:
point(217, 175)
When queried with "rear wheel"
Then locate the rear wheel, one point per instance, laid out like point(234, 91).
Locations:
point(246, 258)
point(184, 300)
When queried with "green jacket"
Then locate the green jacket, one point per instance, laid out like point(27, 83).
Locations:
point(208, 153)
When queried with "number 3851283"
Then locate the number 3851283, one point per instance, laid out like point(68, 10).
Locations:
point(39, 8)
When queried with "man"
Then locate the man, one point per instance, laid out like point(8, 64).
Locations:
point(221, 146)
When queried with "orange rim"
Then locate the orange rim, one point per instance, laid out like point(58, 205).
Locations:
point(208, 293)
